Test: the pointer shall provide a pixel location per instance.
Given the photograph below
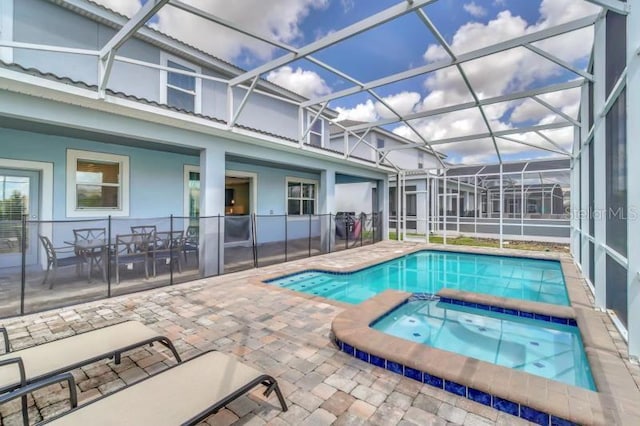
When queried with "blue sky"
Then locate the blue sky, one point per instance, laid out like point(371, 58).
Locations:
point(403, 44)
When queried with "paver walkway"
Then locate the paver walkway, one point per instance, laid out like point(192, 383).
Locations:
point(277, 331)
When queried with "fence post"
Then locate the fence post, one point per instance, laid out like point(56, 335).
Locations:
point(374, 224)
point(310, 235)
point(361, 228)
point(331, 230)
point(218, 251)
point(346, 230)
point(254, 239)
point(286, 239)
point(23, 262)
point(108, 260)
point(171, 247)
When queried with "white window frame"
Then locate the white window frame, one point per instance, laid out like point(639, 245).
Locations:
point(188, 168)
point(164, 78)
point(311, 131)
point(73, 155)
point(6, 29)
point(294, 179)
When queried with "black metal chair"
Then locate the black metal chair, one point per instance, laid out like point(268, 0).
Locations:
point(91, 244)
point(58, 257)
point(168, 247)
point(130, 249)
point(192, 242)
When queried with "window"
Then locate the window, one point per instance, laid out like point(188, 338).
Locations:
point(420, 160)
point(316, 132)
point(301, 196)
point(380, 145)
point(180, 90)
point(97, 184)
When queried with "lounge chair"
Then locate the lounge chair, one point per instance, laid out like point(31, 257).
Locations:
point(186, 393)
point(59, 356)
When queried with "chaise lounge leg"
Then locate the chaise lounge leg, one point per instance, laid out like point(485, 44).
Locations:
point(172, 348)
point(117, 358)
point(272, 385)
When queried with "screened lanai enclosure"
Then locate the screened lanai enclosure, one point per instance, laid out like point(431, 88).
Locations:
point(527, 201)
point(518, 134)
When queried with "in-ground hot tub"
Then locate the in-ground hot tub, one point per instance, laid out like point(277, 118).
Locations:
point(550, 350)
point(533, 397)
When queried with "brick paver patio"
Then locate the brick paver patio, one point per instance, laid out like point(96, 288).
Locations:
point(280, 332)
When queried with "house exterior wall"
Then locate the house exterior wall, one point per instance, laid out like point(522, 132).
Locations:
point(362, 150)
point(42, 22)
point(156, 177)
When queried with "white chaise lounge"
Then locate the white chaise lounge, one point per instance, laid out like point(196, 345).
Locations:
point(183, 394)
point(25, 366)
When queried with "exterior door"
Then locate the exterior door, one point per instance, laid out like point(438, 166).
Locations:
point(19, 194)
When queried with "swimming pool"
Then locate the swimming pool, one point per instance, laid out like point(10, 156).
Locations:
point(549, 350)
point(429, 271)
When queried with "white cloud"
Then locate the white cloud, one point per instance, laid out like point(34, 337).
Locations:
point(475, 9)
point(567, 101)
point(403, 103)
point(362, 112)
point(501, 74)
point(278, 19)
point(126, 7)
point(303, 82)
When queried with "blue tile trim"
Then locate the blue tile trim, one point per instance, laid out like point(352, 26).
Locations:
point(541, 317)
point(455, 388)
point(535, 416)
point(361, 355)
point(479, 396)
point(412, 373)
point(557, 421)
point(508, 311)
point(432, 380)
point(506, 406)
point(377, 361)
point(484, 398)
point(348, 349)
point(395, 367)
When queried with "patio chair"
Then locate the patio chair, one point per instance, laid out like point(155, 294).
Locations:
point(63, 355)
point(144, 229)
point(184, 394)
point(168, 247)
point(130, 249)
point(91, 244)
point(192, 241)
point(58, 257)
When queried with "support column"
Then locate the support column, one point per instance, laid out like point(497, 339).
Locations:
point(633, 181)
point(326, 206)
point(501, 208)
point(212, 170)
point(599, 166)
point(383, 206)
point(427, 198)
point(584, 212)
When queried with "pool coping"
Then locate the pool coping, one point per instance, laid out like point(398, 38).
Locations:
point(617, 400)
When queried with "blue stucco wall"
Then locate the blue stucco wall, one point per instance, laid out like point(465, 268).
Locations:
point(156, 177)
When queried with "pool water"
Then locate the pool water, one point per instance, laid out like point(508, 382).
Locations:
point(550, 350)
point(429, 271)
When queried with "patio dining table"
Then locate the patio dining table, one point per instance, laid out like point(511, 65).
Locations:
point(94, 252)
